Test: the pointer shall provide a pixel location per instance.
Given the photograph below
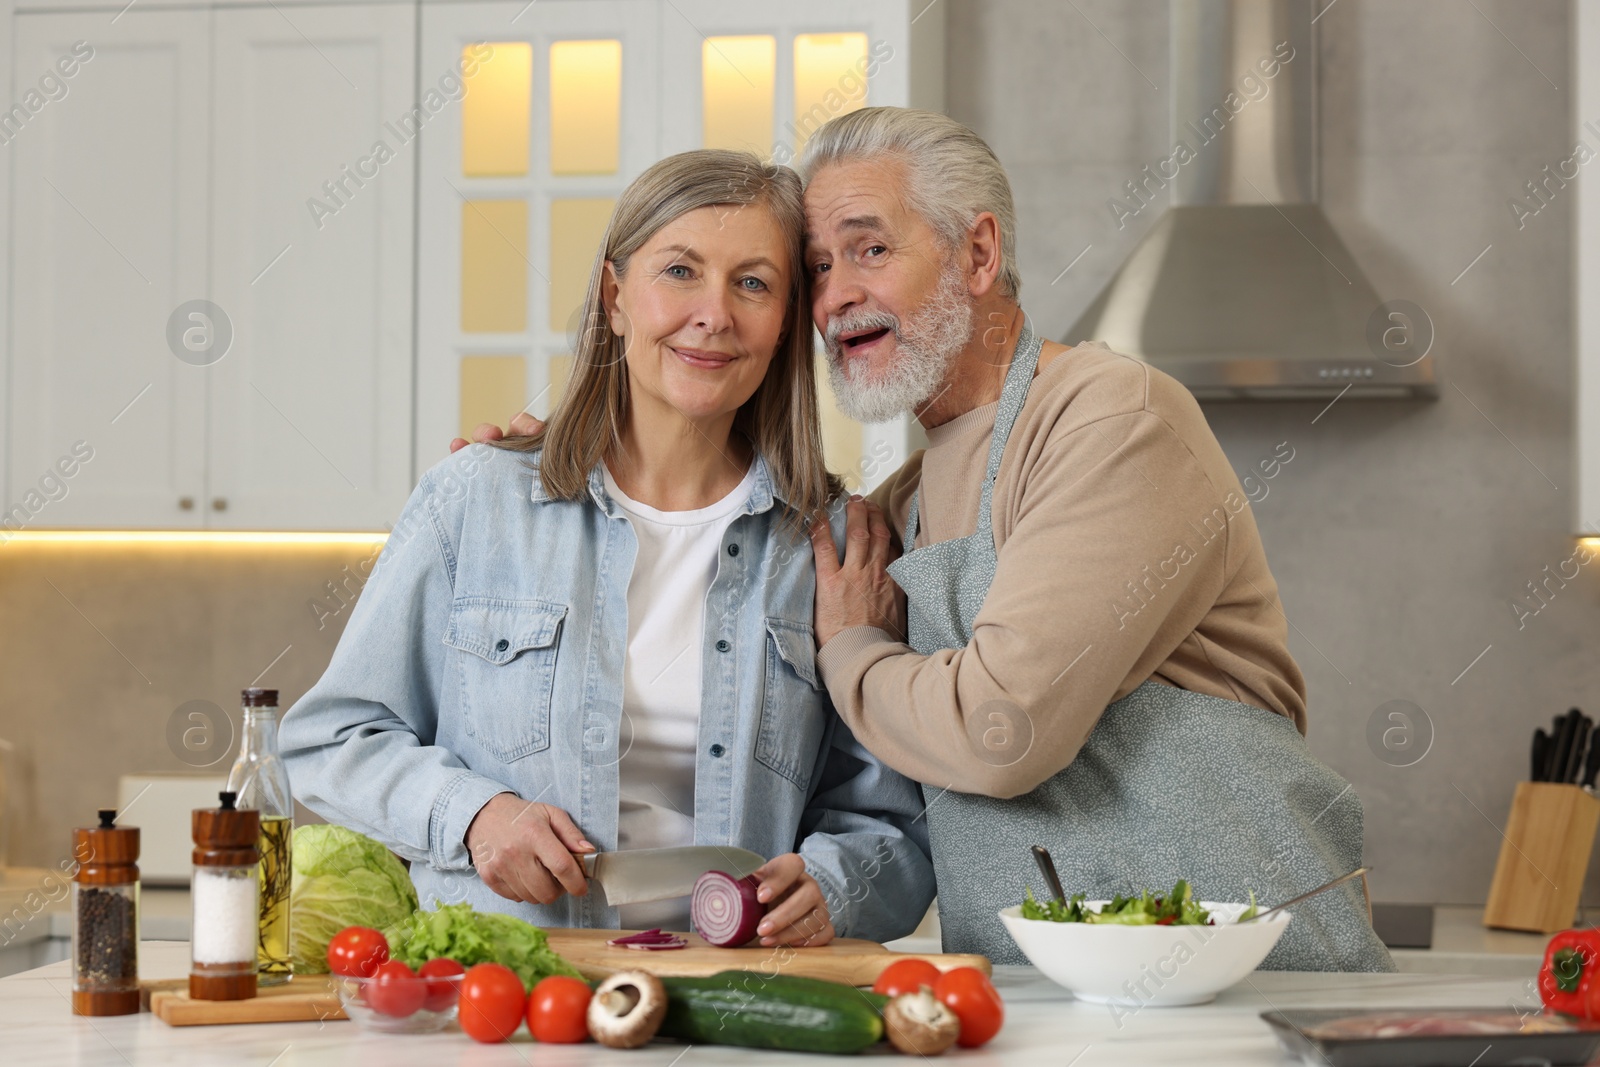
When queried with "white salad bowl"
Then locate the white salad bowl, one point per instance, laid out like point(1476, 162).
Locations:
point(1146, 966)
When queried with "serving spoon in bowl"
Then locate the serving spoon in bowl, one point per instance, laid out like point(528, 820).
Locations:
point(1047, 867)
point(1358, 872)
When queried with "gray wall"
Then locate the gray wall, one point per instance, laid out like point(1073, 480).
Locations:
point(1401, 531)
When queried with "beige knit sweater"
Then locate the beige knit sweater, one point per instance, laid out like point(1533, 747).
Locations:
point(1127, 551)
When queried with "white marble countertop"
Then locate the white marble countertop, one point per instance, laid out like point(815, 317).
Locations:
point(1044, 1025)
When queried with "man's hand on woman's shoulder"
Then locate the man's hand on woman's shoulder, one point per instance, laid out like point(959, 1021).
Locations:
point(522, 424)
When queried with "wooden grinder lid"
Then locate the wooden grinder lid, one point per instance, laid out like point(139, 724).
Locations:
point(224, 836)
point(107, 854)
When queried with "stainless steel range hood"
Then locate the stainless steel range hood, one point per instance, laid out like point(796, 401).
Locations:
point(1242, 289)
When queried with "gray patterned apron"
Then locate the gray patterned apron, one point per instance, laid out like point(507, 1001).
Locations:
point(1170, 784)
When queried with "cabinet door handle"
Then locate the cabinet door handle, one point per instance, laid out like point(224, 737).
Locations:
point(186, 503)
point(219, 503)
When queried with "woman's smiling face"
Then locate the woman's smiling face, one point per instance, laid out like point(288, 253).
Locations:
point(702, 307)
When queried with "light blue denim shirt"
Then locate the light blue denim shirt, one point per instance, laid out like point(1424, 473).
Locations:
point(486, 654)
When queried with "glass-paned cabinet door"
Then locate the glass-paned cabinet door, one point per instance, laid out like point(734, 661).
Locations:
point(763, 77)
point(556, 108)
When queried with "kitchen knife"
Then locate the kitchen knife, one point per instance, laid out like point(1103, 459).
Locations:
point(634, 876)
point(1576, 719)
point(1549, 749)
point(1561, 749)
point(1580, 747)
point(1591, 765)
point(1541, 754)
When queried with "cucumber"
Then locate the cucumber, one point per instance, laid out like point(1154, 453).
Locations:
point(755, 1010)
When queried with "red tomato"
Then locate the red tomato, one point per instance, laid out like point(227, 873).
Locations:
point(968, 992)
point(356, 952)
point(905, 976)
point(441, 993)
point(492, 1002)
point(558, 1010)
point(396, 990)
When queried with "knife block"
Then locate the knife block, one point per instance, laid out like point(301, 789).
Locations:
point(1544, 855)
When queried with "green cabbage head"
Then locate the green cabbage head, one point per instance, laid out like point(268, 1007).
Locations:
point(341, 878)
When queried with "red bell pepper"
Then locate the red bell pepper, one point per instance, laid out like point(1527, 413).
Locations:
point(1569, 981)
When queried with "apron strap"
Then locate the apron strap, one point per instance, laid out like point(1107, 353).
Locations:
point(1013, 395)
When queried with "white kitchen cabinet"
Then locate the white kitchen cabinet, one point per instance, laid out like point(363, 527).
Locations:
point(108, 237)
point(230, 153)
point(827, 58)
point(312, 213)
point(529, 217)
point(181, 166)
point(506, 223)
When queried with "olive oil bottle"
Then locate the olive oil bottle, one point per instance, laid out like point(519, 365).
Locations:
point(262, 783)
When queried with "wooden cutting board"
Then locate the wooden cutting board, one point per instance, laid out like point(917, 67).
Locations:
point(843, 960)
point(312, 998)
point(307, 999)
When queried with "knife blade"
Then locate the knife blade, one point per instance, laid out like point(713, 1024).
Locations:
point(636, 876)
point(1550, 752)
point(1591, 765)
point(1561, 749)
point(1580, 746)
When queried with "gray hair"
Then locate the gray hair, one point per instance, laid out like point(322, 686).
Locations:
point(953, 174)
point(781, 419)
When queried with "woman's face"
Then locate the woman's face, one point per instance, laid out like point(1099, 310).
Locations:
point(702, 308)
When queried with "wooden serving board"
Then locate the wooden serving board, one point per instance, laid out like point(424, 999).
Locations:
point(308, 999)
point(313, 998)
point(843, 960)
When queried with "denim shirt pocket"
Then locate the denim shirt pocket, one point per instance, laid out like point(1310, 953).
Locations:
point(507, 663)
point(792, 705)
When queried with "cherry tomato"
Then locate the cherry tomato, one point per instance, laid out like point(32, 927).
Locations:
point(905, 976)
point(492, 1002)
point(558, 1010)
point(396, 990)
point(968, 992)
point(356, 952)
point(442, 992)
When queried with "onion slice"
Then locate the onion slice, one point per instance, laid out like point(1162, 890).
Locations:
point(649, 939)
point(724, 909)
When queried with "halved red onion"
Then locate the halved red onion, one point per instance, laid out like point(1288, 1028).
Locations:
point(649, 939)
point(724, 909)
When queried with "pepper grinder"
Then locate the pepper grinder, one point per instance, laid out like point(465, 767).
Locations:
point(225, 897)
point(105, 918)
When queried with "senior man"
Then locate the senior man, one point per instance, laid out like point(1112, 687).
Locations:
point(1090, 653)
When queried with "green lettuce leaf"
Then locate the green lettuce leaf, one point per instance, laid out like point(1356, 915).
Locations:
point(460, 933)
point(341, 878)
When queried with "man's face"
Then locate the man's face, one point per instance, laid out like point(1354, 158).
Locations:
point(888, 297)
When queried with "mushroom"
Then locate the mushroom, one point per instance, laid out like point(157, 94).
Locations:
point(918, 1023)
point(627, 1009)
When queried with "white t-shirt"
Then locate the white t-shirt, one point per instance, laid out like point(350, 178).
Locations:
point(677, 560)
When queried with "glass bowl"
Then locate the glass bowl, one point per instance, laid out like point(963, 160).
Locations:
point(404, 1006)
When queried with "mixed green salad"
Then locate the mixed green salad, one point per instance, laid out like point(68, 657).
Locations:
point(1177, 908)
point(457, 932)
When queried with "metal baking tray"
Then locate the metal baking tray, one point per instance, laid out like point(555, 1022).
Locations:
point(1434, 1037)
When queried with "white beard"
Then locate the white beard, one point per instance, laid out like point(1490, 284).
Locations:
point(927, 343)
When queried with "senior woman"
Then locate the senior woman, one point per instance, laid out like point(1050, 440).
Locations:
point(601, 636)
